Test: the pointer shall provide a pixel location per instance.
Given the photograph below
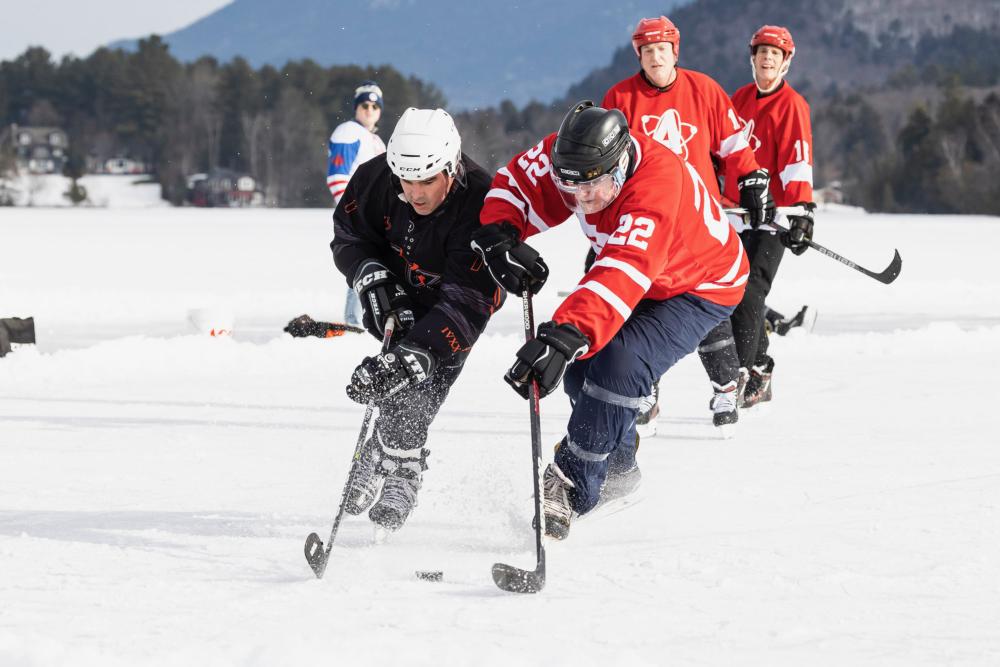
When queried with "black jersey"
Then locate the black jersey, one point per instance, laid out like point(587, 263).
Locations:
point(430, 255)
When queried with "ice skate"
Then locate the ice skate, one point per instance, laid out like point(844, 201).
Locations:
point(403, 478)
point(368, 478)
point(805, 318)
point(724, 409)
point(558, 511)
point(646, 422)
point(758, 388)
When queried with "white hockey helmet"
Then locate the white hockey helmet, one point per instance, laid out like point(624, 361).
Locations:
point(424, 143)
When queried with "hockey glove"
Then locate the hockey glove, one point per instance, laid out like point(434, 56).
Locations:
point(755, 197)
point(512, 263)
point(303, 326)
point(545, 358)
point(377, 378)
point(381, 296)
point(800, 230)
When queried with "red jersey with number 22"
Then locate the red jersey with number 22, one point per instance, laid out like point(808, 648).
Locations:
point(664, 235)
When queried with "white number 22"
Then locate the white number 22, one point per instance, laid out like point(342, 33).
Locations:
point(632, 231)
point(535, 163)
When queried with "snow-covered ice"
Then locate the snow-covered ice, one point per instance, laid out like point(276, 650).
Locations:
point(157, 484)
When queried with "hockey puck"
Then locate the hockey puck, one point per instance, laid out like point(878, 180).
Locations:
point(430, 575)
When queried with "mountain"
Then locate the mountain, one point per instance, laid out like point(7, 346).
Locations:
point(477, 53)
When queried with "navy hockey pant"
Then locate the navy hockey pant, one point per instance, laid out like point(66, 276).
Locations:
point(607, 389)
point(764, 250)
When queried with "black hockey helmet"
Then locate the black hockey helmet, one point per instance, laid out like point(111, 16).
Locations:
point(590, 142)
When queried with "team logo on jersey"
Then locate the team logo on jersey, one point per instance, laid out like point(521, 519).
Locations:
point(751, 137)
point(415, 275)
point(670, 130)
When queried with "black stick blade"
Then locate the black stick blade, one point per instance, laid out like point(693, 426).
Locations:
point(316, 555)
point(515, 580)
point(892, 271)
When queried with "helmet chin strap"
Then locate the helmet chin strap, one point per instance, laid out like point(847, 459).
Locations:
point(782, 71)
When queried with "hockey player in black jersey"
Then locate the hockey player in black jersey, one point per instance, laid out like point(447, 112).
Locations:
point(402, 235)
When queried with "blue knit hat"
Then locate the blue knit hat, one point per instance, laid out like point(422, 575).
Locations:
point(368, 91)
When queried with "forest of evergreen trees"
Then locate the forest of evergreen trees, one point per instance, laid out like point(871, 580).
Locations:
point(187, 118)
point(273, 123)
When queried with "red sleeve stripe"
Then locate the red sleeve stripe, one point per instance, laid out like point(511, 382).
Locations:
point(532, 216)
point(608, 296)
point(637, 276)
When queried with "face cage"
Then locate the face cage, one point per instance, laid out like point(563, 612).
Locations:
point(612, 182)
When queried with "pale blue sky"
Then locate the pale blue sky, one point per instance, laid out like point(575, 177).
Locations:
point(71, 26)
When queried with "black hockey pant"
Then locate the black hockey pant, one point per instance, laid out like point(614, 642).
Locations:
point(718, 354)
point(764, 250)
point(403, 419)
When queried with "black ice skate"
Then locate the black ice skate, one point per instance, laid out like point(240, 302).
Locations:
point(403, 477)
point(558, 511)
point(758, 389)
point(776, 322)
point(368, 478)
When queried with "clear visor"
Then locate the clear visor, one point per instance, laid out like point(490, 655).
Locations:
point(593, 195)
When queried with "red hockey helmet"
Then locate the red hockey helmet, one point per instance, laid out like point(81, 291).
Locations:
point(774, 35)
point(650, 31)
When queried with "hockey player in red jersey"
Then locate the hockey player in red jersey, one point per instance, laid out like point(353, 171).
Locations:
point(778, 118)
point(669, 268)
point(689, 113)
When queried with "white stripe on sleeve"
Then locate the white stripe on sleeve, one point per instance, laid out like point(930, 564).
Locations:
point(637, 276)
point(532, 216)
point(798, 171)
point(610, 297)
point(734, 142)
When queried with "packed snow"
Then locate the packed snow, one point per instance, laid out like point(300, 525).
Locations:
point(157, 483)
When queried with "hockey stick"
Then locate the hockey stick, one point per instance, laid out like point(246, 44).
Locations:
point(316, 554)
point(886, 276)
point(508, 577)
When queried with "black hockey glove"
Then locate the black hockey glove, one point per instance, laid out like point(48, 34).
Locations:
point(303, 326)
point(381, 296)
point(377, 378)
point(800, 230)
point(755, 197)
point(512, 263)
point(545, 358)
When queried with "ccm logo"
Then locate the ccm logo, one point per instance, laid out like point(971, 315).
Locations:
point(365, 281)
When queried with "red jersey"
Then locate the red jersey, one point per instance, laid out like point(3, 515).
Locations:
point(693, 117)
point(662, 236)
point(781, 136)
